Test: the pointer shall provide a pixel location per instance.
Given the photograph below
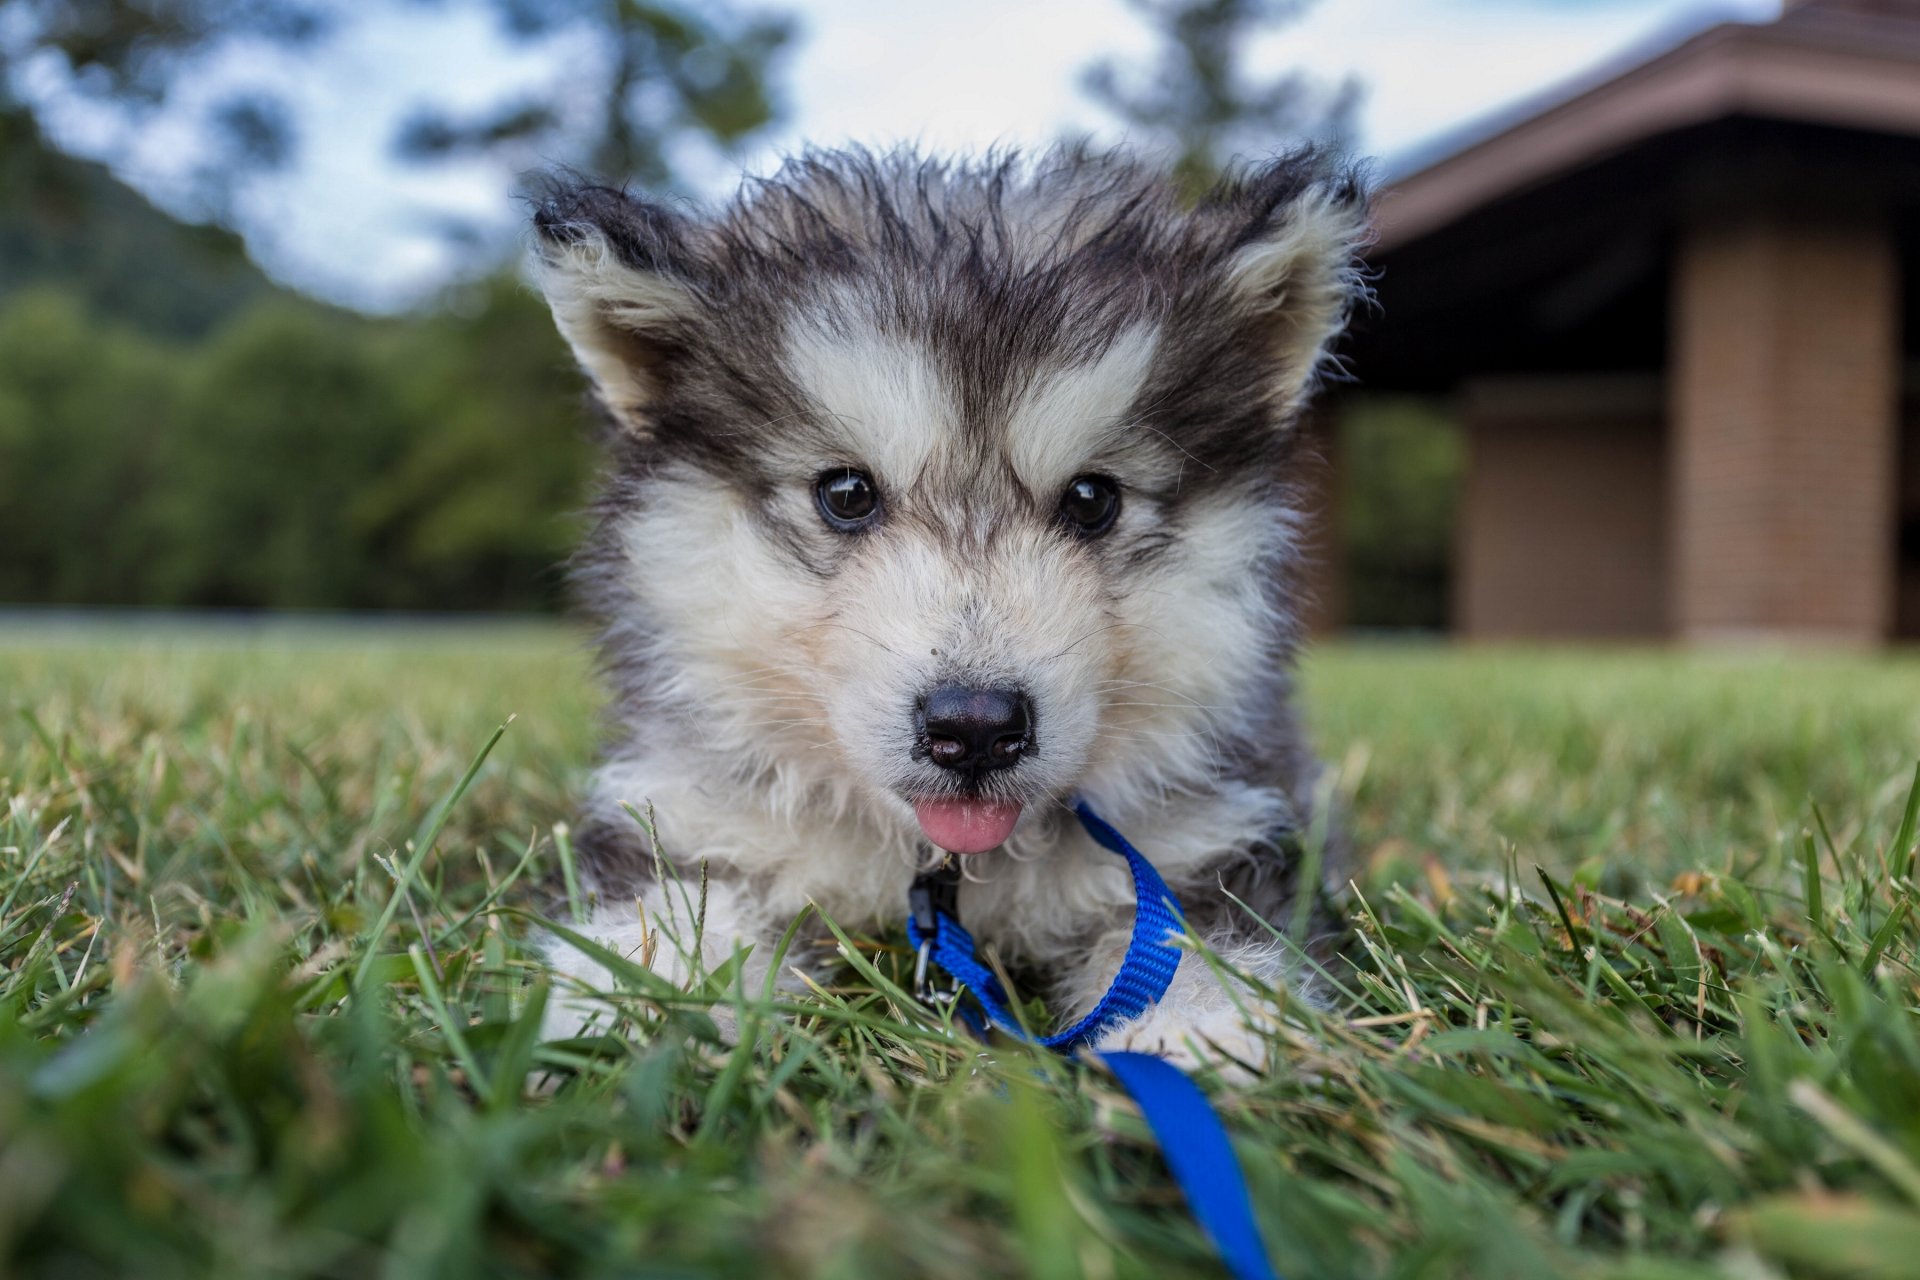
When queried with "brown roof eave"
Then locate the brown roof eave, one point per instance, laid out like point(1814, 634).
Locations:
point(1834, 70)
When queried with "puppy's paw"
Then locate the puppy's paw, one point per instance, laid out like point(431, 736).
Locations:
point(1221, 1037)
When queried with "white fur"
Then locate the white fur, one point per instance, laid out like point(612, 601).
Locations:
point(881, 393)
point(790, 774)
point(1306, 279)
point(665, 931)
point(600, 306)
point(1071, 418)
point(1207, 1017)
point(786, 735)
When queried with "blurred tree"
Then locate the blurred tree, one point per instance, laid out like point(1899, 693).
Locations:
point(285, 420)
point(1402, 463)
point(479, 507)
point(82, 409)
point(1197, 100)
point(668, 74)
point(176, 429)
point(298, 457)
point(70, 223)
point(640, 78)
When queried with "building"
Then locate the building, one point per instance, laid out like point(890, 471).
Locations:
point(1674, 311)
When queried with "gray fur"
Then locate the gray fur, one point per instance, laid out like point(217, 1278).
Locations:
point(1007, 279)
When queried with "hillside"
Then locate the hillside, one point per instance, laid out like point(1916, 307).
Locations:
point(70, 223)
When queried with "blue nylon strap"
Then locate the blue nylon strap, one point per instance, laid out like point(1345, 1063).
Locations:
point(1190, 1133)
point(1195, 1144)
point(1145, 973)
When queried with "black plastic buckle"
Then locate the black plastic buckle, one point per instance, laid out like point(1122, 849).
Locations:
point(933, 894)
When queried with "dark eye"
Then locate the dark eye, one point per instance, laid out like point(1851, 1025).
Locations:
point(1090, 505)
point(849, 499)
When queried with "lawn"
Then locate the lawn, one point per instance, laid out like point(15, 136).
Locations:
point(1632, 992)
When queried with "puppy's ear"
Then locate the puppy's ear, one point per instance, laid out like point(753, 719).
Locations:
point(1290, 263)
point(623, 278)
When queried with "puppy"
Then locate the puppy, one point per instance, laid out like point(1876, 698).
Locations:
point(938, 494)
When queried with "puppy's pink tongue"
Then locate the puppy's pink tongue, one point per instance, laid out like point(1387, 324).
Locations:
point(967, 826)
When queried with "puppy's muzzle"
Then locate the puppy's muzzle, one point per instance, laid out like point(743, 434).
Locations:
point(973, 731)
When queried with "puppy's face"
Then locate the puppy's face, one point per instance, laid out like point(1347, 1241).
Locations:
point(953, 497)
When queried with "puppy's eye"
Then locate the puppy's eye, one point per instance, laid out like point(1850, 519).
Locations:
point(849, 500)
point(1090, 505)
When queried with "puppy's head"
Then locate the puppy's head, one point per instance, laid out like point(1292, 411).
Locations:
point(950, 490)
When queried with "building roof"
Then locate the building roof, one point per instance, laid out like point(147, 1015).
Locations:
point(1851, 64)
point(1547, 245)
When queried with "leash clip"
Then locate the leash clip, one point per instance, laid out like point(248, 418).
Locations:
point(924, 988)
point(933, 895)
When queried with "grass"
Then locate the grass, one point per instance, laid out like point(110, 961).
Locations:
point(1633, 993)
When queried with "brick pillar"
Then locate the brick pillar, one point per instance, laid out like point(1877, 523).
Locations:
point(1563, 515)
point(1321, 576)
point(1785, 370)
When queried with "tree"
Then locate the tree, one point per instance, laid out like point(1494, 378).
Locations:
point(83, 408)
point(1197, 101)
point(176, 429)
point(640, 78)
point(297, 456)
point(284, 419)
point(67, 223)
point(667, 74)
point(480, 508)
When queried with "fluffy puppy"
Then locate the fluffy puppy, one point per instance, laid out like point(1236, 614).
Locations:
point(938, 493)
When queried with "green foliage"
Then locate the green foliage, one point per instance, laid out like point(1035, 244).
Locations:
point(1197, 102)
point(81, 412)
point(672, 72)
point(66, 222)
point(300, 456)
point(174, 429)
point(282, 421)
point(247, 1038)
point(481, 504)
point(1402, 462)
point(661, 75)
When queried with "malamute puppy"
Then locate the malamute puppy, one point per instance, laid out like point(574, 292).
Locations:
point(938, 494)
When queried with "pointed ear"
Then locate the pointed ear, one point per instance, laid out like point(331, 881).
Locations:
point(1291, 263)
point(622, 277)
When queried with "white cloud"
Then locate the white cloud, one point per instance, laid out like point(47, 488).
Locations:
point(1433, 67)
point(948, 75)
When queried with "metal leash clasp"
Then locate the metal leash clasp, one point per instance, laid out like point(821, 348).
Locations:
point(924, 988)
point(932, 895)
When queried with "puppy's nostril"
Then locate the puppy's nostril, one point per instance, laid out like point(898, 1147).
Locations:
point(972, 730)
point(947, 751)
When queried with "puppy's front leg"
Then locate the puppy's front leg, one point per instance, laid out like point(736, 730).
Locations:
point(1207, 1017)
point(662, 927)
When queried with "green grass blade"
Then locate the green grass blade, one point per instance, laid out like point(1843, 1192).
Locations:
point(423, 843)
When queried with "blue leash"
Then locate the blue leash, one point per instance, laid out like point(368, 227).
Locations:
point(1188, 1130)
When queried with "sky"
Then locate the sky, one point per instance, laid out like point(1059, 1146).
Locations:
point(350, 223)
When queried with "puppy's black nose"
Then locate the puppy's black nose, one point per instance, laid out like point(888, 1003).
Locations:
point(973, 730)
